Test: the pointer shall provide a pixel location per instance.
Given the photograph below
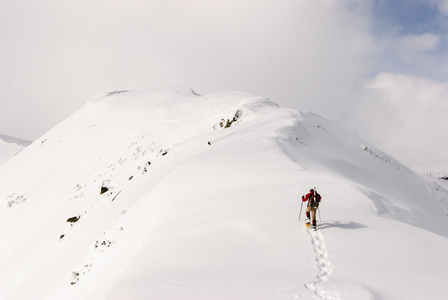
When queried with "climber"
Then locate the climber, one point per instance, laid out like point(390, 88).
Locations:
point(313, 199)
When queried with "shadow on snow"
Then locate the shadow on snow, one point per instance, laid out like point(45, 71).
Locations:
point(341, 224)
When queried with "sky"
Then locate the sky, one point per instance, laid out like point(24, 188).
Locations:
point(378, 68)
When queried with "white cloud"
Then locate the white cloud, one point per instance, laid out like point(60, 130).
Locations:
point(424, 42)
point(416, 52)
point(70, 51)
point(417, 130)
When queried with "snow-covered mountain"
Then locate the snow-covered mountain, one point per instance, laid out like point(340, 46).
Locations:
point(167, 194)
point(10, 146)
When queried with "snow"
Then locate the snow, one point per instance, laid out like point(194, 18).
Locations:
point(195, 210)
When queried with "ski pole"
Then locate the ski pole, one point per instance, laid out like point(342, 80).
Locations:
point(300, 210)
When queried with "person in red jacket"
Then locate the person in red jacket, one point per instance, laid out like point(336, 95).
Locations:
point(313, 199)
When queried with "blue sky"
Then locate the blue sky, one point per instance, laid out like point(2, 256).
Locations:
point(378, 68)
point(411, 16)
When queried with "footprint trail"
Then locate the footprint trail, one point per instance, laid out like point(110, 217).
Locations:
point(324, 265)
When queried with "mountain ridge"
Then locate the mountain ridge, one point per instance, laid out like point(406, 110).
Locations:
point(171, 194)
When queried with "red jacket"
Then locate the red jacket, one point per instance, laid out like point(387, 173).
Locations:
point(309, 196)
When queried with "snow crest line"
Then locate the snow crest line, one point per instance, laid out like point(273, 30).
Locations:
point(324, 266)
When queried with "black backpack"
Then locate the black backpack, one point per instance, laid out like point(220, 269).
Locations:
point(314, 199)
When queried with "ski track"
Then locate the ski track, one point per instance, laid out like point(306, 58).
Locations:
point(324, 265)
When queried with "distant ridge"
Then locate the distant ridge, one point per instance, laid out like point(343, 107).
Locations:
point(14, 140)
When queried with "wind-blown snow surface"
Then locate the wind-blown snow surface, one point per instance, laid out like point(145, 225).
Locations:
point(195, 210)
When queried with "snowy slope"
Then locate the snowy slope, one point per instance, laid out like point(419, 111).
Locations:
point(10, 146)
point(202, 202)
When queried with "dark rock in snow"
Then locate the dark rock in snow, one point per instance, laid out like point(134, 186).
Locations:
point(103, 190)
point(73, 219)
